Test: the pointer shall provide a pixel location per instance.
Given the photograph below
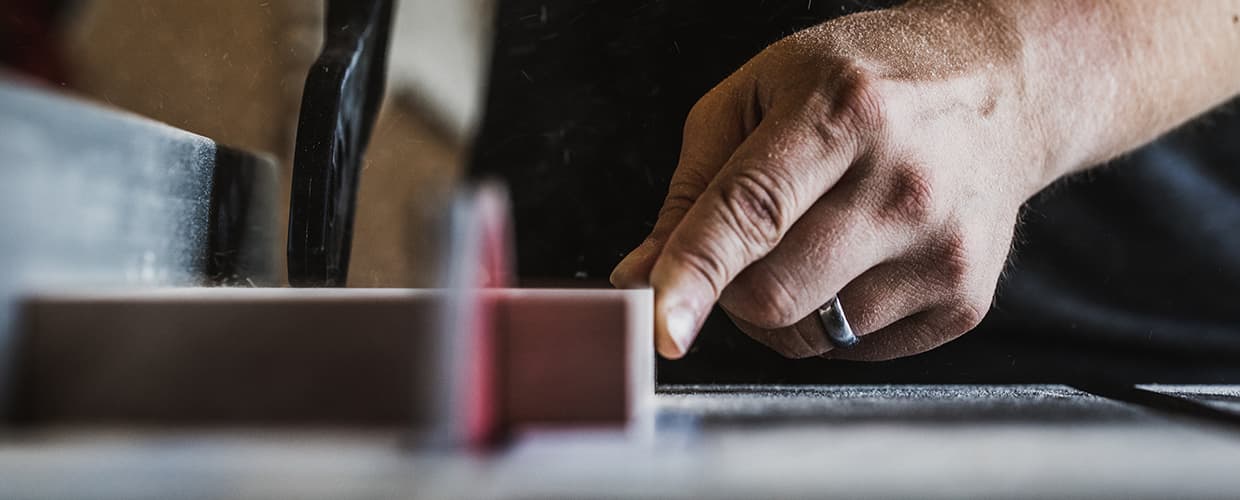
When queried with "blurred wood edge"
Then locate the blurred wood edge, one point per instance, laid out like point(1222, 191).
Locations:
point(322, 357)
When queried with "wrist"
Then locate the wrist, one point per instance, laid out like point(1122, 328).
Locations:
point(1062, 108)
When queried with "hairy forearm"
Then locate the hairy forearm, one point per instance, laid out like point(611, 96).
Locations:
point(1112, 75)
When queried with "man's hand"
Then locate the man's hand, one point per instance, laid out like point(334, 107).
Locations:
point(840, 161)
point(882, 157)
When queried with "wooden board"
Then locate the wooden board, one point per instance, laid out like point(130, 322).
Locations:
point(342, 357)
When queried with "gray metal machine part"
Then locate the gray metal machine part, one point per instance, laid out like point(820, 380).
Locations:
point(97, 197)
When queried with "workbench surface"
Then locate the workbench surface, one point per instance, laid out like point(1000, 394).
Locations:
point(719, 441)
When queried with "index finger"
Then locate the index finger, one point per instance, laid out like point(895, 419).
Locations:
point(776, 174)
point(716, 125)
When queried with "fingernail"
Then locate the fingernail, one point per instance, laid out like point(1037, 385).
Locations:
point(681, 324)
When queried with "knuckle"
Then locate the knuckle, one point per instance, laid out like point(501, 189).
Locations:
point(761, 297)
point(855, 106)
point(910, 196)
point(717, 105)
point(859, 100)
point(756, 204)
point(690, 178)
point(706, 261)
point(952, 258)
point(963, 315)
point(682, 193)
point(675, 208)
point(866, 308)
point(703, 112)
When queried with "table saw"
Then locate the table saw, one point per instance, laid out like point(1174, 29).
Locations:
point(149, 351)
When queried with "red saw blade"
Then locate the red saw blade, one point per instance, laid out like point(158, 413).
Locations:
point(479, 257)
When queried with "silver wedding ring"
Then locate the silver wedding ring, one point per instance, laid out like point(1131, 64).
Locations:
point(835, 325)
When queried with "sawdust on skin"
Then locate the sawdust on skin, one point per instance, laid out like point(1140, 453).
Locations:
point(921, 40)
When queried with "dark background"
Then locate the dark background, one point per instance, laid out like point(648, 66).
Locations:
point(1128, 273)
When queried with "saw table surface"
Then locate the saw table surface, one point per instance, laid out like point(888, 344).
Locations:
point(712, 441)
